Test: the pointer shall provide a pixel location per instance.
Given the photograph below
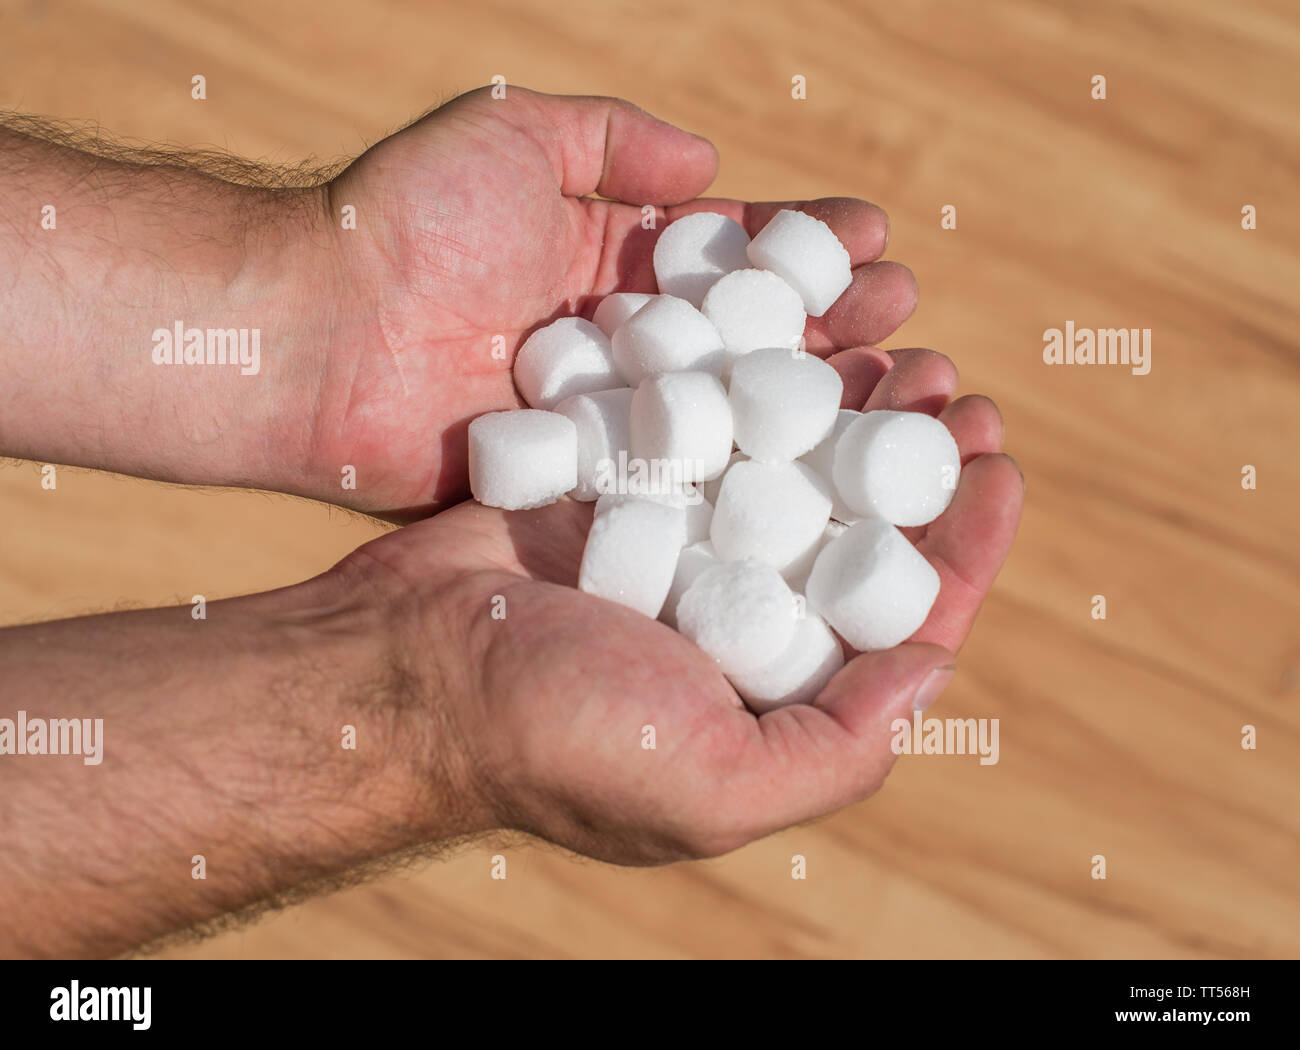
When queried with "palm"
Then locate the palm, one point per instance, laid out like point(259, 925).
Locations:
point(564, 684)
point(477, 230)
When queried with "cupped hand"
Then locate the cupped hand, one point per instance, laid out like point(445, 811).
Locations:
point(541, 695)
point(476, 225)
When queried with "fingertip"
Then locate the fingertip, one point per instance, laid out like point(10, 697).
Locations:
point(984, 510)
point(609, 146)
point(1019, 469)
point(976, 424)
point(881, 296)
point(650, 161)
point(921, 380)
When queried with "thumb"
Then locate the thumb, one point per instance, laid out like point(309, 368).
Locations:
point(838, 751)
point(611, 147)
point(875, 688)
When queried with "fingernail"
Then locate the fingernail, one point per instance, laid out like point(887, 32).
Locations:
point(1016, 464)
point(931, 686)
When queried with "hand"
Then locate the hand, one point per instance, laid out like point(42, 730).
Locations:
point(476, 222)
point(541, 712)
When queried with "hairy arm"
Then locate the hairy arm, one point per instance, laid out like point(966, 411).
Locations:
point(222, 737)
point(101, 247)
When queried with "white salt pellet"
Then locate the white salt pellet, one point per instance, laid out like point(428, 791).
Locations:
point(666, 335)
point(569, 356)
point(602, 421)
point(740, 613)
point(693, 252)
point(713, 486)
point(807, 255)
point(696, 511)
point(616, 308)
point(900, 466)
point(753, 309)
point(872, 585)
point(681, 422)
point(798, 674)
point(783, 402)
point(775, 513)
point(522, 459)
point(692, 561)
point(631, 552)
point(822, 460)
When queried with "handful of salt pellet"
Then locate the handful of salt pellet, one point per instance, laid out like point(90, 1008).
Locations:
point(735, 500)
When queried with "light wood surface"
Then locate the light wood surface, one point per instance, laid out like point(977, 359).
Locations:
point(1119, 737)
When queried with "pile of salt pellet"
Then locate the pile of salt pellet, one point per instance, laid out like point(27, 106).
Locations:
point(735, 500)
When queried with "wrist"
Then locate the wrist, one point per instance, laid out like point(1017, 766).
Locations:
point(162, 321)
point(402, 684)
point(289, 287)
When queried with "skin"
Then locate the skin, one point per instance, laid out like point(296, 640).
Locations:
point(222, 736)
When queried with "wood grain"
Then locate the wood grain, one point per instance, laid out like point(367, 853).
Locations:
point(1119, 737)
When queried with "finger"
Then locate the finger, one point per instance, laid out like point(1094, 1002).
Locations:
point(811, 759)
point(860, 369)
point(880, 298)
point(968, 543)
point(920, 381)
point(975, 424)
point(611, 147)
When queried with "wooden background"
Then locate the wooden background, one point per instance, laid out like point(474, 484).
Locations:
point(1118, 737)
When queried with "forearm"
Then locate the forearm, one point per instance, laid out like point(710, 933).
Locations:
point(100, 257)
point(222, 737)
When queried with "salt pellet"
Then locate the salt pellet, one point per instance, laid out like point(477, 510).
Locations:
point(602, 422)
point(784, 403)
point(872, 585)
point(696, 516)
point(631, 552)
point(739, 613)
point(822, 460)
point(666, 335)
point(775, 513)
point(691, 563)
point(698, 511)
point(522, 459)
point(616, 308)
point(798, 674)
point(695, 251)
point(807, 255)
point(900, 466)
point(753, 309)
point(682, 421)
point(567, 357)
